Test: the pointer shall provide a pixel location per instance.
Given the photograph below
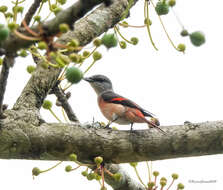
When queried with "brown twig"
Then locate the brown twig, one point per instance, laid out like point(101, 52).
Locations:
point(64, 103)
point(32, 11)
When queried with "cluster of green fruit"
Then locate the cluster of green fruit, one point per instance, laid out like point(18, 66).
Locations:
point(197, 38)
point(163, 181)
point(74, 74)
point(162, 7)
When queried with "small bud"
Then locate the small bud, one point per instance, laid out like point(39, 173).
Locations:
point(12, 26)
point(8, 15)
point(175, 176)
point(180, 186)
point(36, 171)
point(97, 42)
point(65, 59)
point(163, 181)
point(86, 53)
point(81, 60)
point(125, 24)
point(91, 176)
point(163, 178)
point(172, 3)
point(44, 65)
point(73, 157)
point(98, 177)
point(156, 173)
point(96, 56)
point(134, 40)
point(64, 28)
point(147, 21)
point(60, 62)
point(151, 185)
point(98, 160)
point(57, 10)
point(184, 33)
point(42, 45)
point(68, 168)
point(103, 188)
point(23, 53)
point(123, 44)
point(74, 57)
point(133, 164)
point(117, 176)
point(62, 2)
point(181, 47)
point(84, 173)
point(47, 104)
point(73, 43)
point(54, 6)
point(20, 9)
point(37, 18)
point(3, 8)
point(53, 55)
point(30, 69)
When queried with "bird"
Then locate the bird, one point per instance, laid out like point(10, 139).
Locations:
point(117, 108)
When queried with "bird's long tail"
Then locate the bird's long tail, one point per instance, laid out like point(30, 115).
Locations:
point(153, 125)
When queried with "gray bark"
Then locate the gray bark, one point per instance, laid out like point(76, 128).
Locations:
point(32, 139)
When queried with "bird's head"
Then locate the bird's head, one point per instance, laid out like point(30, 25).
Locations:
point(99, 83)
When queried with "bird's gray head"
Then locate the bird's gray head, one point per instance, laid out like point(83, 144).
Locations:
point(100, 83)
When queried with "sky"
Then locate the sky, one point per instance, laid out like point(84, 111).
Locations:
point(175, 87)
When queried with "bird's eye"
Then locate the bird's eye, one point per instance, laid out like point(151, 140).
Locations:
point(100, 80)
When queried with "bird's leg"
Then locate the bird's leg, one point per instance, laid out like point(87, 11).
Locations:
point(131, 130)
point(110, 122)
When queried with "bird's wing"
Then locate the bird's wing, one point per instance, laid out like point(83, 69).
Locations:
point(112, 97)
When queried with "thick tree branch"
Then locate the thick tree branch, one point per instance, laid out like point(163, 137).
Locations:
point(55, 141)
point(70, 16)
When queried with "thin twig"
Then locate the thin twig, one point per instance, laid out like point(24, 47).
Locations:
point(66, 106)
point(31, 11)
point(7, 62)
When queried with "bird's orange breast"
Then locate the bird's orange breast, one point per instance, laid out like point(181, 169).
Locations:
point(125, 115)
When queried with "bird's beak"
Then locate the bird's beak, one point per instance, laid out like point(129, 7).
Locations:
point(88, 79)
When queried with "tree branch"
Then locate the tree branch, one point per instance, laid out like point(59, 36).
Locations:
point(32, 11)
point(64, 103)
point(126, 182)
point(55, 141)
point(7, 63)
